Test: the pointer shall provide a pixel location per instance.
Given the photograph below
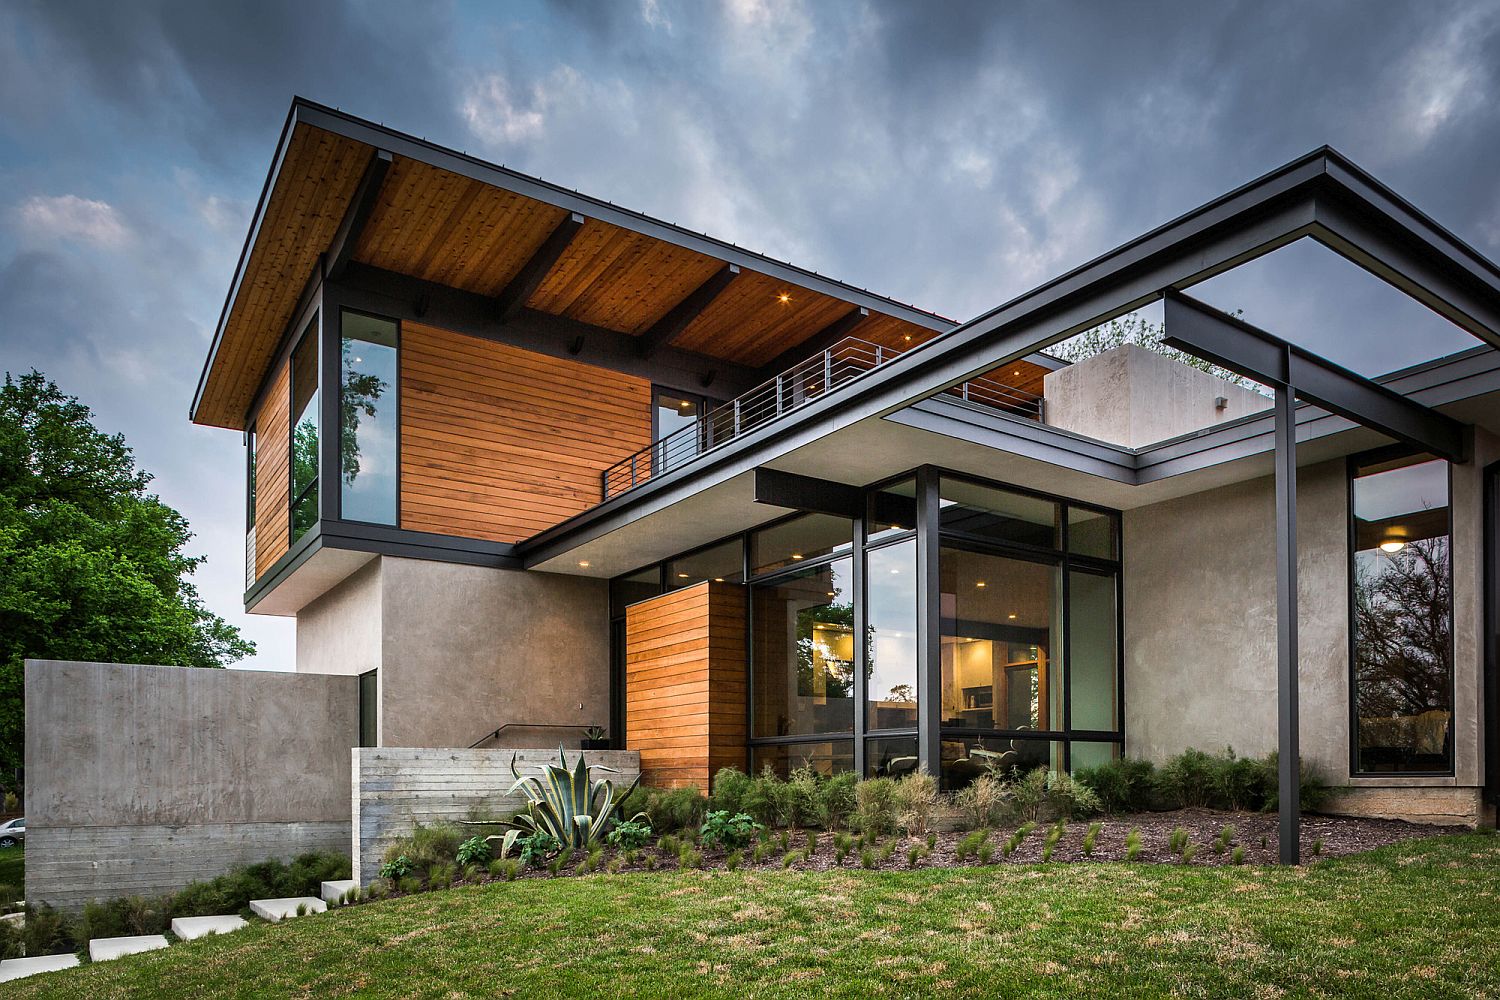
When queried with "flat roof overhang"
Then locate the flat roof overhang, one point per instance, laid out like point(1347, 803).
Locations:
point(343, 191)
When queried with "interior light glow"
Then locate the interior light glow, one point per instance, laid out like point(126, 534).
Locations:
point(682, 576)
point(979, 584)
point(796, 555)
point(1392, 546)
point(1012, 617)
point(784, 298)
point(583, 564)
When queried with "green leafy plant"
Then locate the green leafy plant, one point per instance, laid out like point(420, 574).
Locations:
point(969, 845)
point(675, 809)
point(669, 844)
point(536, 847)
point(874, 807)
point(475, 850)
point(791, 857)
point(838, 798)
point(986, 852)
point(1188, 780)
point(729, 789)
point(1238, 856)
point(396, 868)
point(1122, 785)
point(812, 842)
point(1312, 783)
point(1070, 799)
point(629, 834)
point(728, 832)
point(1029, 793)
point(867, 858)
point(595, 733)
point(571, 806)
point(689, 857)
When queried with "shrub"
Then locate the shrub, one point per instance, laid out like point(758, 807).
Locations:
point(984, 802)
point(1188, 851)
point(1314, 786)
point(867, 858)
point(536, 847)
point(1029, 793)
point(970, 845)
point(838, 798)
point(1239, 782)
point(1068, 798)
point(671, 810)
point(688, 857)
point(730, 832)
point(730, 787)
point(570, 805)
point(123, 917)
point(1122, 785)
point(762, 796)
point(801, 799)
point(986, 852)
point(915, 797)
point(474, 851)
point(440, 876)
point(1188, 780)
point(1177, 840)
point(874, 807)
point(732, 860)
point(630, 835)
point(396, 868)
point(409, 886)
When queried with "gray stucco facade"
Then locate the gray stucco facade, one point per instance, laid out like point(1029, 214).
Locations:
point(463, 650)
point(141, 779)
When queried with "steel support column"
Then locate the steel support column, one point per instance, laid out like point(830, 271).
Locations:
point(1288, 755)
point(929, 625)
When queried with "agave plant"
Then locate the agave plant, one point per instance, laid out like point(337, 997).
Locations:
point(569, 805)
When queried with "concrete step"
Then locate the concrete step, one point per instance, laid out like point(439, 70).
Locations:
point(192, 928)
point(335, 891)
point(104, 949)
point(280, 909)
point(17, 968)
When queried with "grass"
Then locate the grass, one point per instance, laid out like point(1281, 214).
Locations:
point(1413, 920)
point(13, 867)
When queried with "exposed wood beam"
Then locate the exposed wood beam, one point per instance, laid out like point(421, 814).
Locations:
point(529, 278)
point(358, 213)
point(1205, 332)
point(670, 326)
point(817, 343)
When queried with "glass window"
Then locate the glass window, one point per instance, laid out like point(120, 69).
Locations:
point(1403, 617)
point(891, 636)
point(368, 706)
point(890, 756)
point(675, 412)
point(965, 758)
point(1091, 754)
point(1093, 661)
point(986, 512)
point(892, 509)
point(369, 420)
point(827, 758)
point(627, 590)
point(723, 563)
point(806, 537)
point(802, 637)
point(305, 432)
point(250, 482)
point(1001, 655)
point(1091, 533)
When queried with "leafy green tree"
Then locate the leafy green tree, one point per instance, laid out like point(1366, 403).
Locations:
point(1135, 329)
point(91, 565)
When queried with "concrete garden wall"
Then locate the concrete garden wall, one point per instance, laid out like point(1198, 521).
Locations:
point(397, 788)
point(140, 779)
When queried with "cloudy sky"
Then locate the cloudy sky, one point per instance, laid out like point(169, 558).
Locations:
point(948, 154)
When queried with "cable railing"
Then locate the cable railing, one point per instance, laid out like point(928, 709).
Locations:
point(806, 381)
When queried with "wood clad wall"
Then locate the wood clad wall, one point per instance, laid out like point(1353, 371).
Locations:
point(685, 684)
point(272, 472)
point(500, 443)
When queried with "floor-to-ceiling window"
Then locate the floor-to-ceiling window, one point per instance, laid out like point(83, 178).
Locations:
point(304, 448)
point(369, 424)
point(1402, 609)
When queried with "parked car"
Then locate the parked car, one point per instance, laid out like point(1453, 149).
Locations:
point(13, 832)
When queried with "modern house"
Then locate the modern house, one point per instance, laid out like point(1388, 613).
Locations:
point(526, 461)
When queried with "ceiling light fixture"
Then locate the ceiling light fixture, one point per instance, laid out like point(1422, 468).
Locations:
point(796, 555)
point(784, 298)
point(1012, 617)
point(979, 583)
point(682, 576)
point(583, 564)
point(1391, 546)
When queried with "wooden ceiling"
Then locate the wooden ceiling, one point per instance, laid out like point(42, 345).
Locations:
point(445, 227)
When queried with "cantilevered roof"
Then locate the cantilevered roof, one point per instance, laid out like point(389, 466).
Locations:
point(344, 190)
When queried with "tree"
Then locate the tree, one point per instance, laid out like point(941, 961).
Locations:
point(1134, 329)
point(91, 565)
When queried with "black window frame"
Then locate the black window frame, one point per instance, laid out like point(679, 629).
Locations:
point(338, 382)
point(308, 340)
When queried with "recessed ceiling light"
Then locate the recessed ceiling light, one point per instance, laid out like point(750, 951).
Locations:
point(796, 555)
point(1012, 616)
point(832, 593)
point(784, 297)
point(718, 579)
point(908, 338)
point(979, 583)
point(583, 564)
point(682, 576)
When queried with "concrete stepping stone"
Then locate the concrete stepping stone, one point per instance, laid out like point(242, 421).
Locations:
point(335, 891)
point(17, 968)
point(104, 949)
point(280, 909)
point(192, 928)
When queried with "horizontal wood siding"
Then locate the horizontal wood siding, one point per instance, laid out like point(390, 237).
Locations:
point(685, 684)
point(500, 443)
point(272, 473)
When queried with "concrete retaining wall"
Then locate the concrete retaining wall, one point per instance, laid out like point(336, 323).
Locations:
point(397, 788)
point(141, 779)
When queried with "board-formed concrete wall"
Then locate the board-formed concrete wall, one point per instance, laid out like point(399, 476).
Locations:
point(397, 788)
point(140, 779)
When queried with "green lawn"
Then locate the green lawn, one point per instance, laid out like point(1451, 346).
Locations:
point(1421, 919)
point(13, 867)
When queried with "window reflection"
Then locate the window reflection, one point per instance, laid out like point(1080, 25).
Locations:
point(305, 432)
point(368, 417)
point(826, 758)
point(1403, 617)
point(803, 641)
point(891, 643)
point(986, 512)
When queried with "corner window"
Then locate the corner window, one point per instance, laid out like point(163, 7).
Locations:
point(803, 652)
point(250, 456)
point(368, 420)
point(305, 432)
point(1402, 617)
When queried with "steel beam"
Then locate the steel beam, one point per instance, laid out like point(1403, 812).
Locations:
point(1288, 752)
point(527, 280)
point(341, 249)
point(677, 319)
point(797, 492)
point(1205, 332)
point(929, 625)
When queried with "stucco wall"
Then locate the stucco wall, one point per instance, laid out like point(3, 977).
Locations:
point(1132, 396)
point(1200, 635)
point(466, 649)
point(141, 779)
point(396, 788)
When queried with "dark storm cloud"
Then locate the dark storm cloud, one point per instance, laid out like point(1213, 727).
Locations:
point(951, 154)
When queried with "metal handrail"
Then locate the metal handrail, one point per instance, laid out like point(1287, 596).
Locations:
point(804, 382)
point(524, 725)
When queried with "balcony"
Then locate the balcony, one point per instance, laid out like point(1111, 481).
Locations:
point(819, 375)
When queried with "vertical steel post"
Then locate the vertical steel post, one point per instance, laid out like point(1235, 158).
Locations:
point(929, 625)
point(1288, 753)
